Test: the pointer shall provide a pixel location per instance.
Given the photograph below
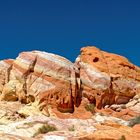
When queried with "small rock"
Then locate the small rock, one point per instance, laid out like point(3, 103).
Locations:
point(132, 103)
point(124, 107)
point(118, 107)
point(114, 106)
point(107, 106)
point(136, 97)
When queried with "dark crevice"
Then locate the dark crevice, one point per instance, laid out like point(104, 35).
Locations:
point(57, 97)
point(72, 98)
point(51, 96)
point(31, 70)
point(129, 66)
point(8, 73)
point(79, 89)
point(79, 96)
point(96, 59)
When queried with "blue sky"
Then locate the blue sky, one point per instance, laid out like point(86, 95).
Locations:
point(64, 26)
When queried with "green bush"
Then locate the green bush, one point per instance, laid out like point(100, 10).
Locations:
point(134, 121)
point(45, 129)
point(90, 107)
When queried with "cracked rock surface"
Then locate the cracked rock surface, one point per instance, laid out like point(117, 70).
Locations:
point(45, 96)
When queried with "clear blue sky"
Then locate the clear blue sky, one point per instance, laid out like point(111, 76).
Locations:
point(64, 26)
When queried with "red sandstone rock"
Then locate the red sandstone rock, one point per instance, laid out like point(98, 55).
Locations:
point(103, 78)
point(41, 76)
point(107, 78)
point(113, 131)
point(136, 128)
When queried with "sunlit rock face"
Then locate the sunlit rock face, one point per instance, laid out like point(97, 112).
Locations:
point(107, 78)
point(103, 78)
point(41, 76)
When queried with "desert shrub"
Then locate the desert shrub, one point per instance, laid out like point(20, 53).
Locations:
point(134, 121)
point(45, 129)
point(72, 128)
point(90, 107)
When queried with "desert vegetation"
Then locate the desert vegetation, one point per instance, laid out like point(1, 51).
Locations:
point(45, 129)
point(90, 107)
point(134, 121)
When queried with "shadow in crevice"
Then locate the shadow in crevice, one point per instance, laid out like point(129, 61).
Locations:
point(79, 97)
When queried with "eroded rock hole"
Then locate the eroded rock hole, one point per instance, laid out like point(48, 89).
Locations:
point(96, 59)
point(51, 96)
point(31, 98)
point(57, 97)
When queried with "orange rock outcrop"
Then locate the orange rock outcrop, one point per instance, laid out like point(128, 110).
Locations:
point(107, 78)
point(103, 78)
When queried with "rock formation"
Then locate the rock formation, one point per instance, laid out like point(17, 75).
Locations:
point(37, 84)
point(41, 76)
point(103, 78)
point(107, 78)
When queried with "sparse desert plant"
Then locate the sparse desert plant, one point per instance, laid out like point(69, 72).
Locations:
point(90, 107)
point(72, 128)
point(29, 124)
point(122, 138)
point(25, 125)
point(134, 121)
point(45, 129)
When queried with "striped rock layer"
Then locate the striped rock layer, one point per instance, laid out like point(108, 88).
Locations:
point(107, 78)
point(101, 77)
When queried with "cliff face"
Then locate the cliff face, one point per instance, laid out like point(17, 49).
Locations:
point(103, 78)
